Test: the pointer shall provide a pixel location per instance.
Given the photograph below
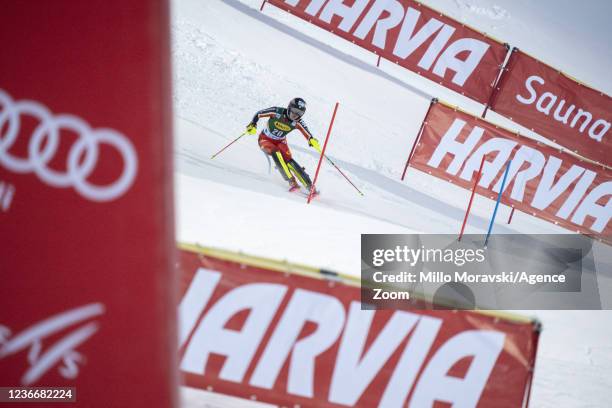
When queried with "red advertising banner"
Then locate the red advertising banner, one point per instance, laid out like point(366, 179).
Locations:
point(86, 204)
point(547, 183)
point(414, 36)
point(251, 329)
point(556, 106)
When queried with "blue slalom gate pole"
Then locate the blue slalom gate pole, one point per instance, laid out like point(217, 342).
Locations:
point(501, 191)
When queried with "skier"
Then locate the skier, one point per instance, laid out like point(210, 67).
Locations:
point(272, 140)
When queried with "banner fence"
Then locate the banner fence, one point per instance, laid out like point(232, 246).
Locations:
point(413, 36)
point(556, 106)
point(508, 81)
point(548, 183)
point(293, 335)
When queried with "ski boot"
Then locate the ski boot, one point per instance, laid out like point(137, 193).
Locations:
point(300, 173)
point(293, 185)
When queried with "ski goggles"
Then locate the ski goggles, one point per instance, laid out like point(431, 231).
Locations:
point(295, 113)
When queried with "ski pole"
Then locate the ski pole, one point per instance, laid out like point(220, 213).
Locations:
point(343, 175)
point(341, 172)
point(231, 143)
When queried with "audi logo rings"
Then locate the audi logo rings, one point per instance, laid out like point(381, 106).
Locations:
point(40, 154)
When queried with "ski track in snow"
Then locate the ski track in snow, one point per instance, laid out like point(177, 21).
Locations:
point(224, 71)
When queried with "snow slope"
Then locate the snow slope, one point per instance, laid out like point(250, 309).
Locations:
point(231, 60)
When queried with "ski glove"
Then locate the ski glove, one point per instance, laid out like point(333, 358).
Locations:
point(251, 129)
point(314, 143)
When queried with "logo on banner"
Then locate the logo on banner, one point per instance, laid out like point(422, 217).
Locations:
point(419, 30)
point(556, 106)
point(204, 335)
point(547, 104)
point(61, 352)
point(542, 181)
point(44, 141)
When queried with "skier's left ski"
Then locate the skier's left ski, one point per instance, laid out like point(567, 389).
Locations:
point(304, 193)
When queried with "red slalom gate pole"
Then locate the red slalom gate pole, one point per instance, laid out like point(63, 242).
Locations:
point(433, 101)
point(378, 62)
point(467, 212)
point(331, 124)
point(263, 3)
point(511, 214)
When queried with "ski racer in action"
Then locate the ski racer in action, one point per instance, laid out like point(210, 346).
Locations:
point(272, 140)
